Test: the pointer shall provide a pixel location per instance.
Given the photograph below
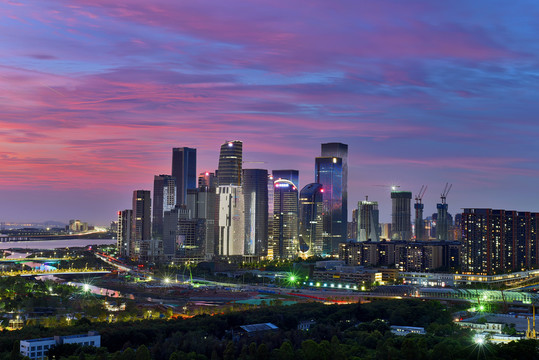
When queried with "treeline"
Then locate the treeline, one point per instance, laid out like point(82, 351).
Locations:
point(340, 332)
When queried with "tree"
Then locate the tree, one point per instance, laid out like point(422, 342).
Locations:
point(128, 354)
point(143, 353)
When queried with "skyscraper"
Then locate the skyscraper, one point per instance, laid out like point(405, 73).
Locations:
point(340, 150)
point(231, 220)
point(184, 169)
point(164, 199)
point(230, 163)
point(202, 204)
point(442, 223)
point(329, 173)
point(401, 226)
point(285, 220)
point(368, 222)
point(310, 219)
point(255, 192)
point(292, 175)
point(141, 224)
point(124, 243)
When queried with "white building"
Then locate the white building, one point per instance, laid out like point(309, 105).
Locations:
point(231, 220)
point(405, 330)
point(38, 348)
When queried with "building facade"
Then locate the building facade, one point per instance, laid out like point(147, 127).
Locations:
point(310, 220)
point(329, 173)
point(184, 169)
point(141, 231)
point(499, 241)
point(255, 192)
point(285, 220)
point(124, 241)
point(401, 226)
point(292, 175)
point(230, 163)
point(231, 220)
point(164, 199)
point(368, 221)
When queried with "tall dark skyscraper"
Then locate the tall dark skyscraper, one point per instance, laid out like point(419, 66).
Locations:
point(401, 226)
point(285, 220)
point(164, 199)
point(292, 175)
point(230, 163)
point(184, 169)
point(255, 192)
point(329, 173)
point(310, 219)
point(141, 223)
point(340, 150)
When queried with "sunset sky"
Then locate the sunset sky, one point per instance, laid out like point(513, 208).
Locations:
point(94, 95)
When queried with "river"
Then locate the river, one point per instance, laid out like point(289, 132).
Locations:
point(54, 244)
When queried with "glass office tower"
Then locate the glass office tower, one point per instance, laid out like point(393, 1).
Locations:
point(310, 220)
point(285, 220)
point(184, 169)
point(255, 192)
point(329, 173)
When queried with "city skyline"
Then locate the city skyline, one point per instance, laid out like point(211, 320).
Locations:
point(95, 96)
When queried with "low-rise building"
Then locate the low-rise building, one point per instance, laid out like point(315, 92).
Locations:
point(405, 330)
point(37, 349)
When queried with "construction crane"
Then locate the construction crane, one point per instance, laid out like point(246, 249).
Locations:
point(419, 196)
point(447, 188)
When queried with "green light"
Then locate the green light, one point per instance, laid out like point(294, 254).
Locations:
point(472, 309)
point(318, 284)
point(292, 278)
point(481, 308)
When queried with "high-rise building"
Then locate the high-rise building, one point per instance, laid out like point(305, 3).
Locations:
point(401, 226)
point(231, 220)
point(141, 224)
point(271, 244)
point(419, 224)
point(184, 169)
point(499, 241)
point(368, 222)
point(310, 219)
point(285, 220)
point(207, 180)
point(255, 192)
point(340, 150)
point(329, 173)
point(442, 223)
point(124, 243)
point(353, 225)
point(230, 163)
point(171, 239)
point(202, 203)
point(292, 175)
point(164, 199)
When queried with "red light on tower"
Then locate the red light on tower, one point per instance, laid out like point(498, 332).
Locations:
point(321, 190)
point(207, 174)
point(119, 213)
